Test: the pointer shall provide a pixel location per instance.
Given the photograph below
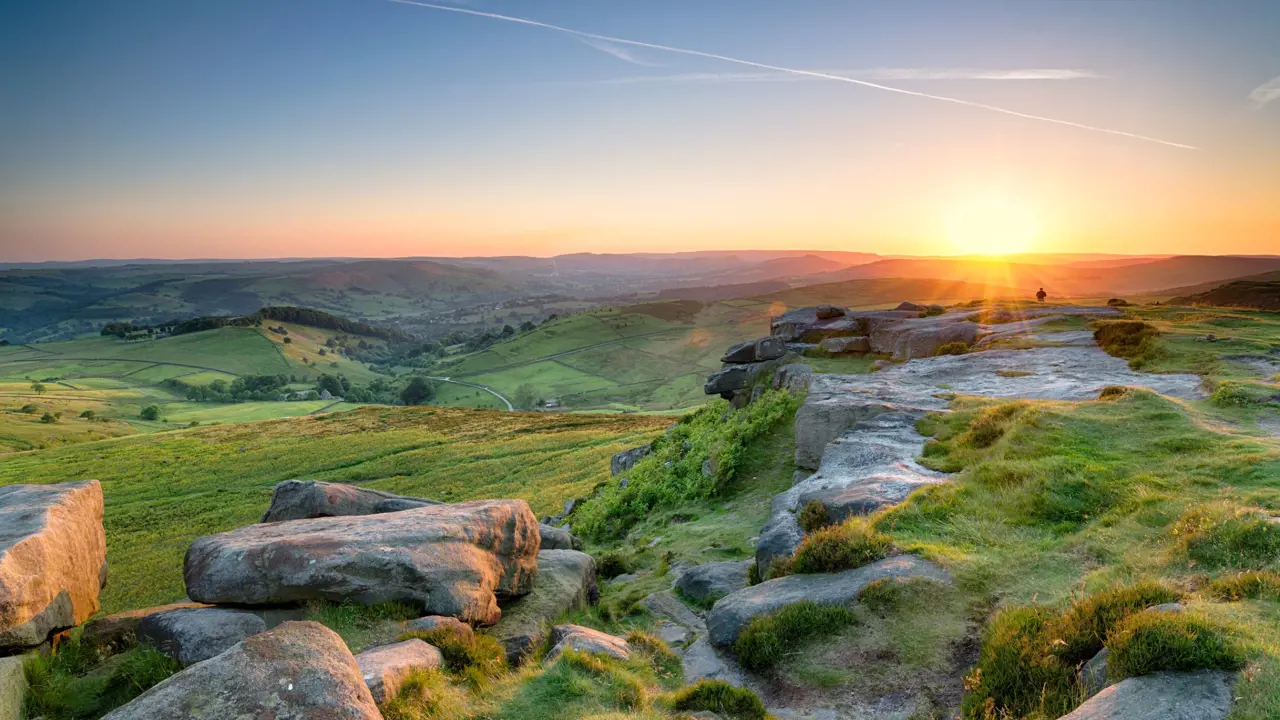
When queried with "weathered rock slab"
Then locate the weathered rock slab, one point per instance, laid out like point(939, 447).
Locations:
point(1204, 695)
point(709, 582)
point(732, 613)
point(385, 668)
point(841, 345)
point(625, 460)
point(306, 499)
point(566, 581)
point(586, 640)
point(554, 538)
point(118, 632)
point(766, 348)
point(53, 559)
point(439, 622)
point(190, 635)
point(447, 559)
point(299, 671)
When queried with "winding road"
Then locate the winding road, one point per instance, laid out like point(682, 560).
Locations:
point(489, 390)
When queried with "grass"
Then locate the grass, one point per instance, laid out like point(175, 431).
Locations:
point(1149, 642)
point(362, 627)
point(76, 684)
point(475, 659)
point(1133, 340)
point(1059, 511)
point(1251, 585)
point(164, 490)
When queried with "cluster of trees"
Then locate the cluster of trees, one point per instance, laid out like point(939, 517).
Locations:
point(300, 316)
point(242, 389)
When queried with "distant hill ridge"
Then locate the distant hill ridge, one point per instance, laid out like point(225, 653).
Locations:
point(1247, 294)
point(295, 315)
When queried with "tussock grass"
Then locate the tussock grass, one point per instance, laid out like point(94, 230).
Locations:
point(426, 695)
point(1221, 535)
point(853, 543)
point(474, 659)
point(361, 626)
point(1133, 340)
point(1250, 585)
point(953, 348)
point(767, 639)
point(1149, 642)
point(813, 516)
point(719, 697)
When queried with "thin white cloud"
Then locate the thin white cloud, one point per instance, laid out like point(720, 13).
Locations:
point(794, 71)
point(1266, 92)
point(618, 51)
point(867, 74)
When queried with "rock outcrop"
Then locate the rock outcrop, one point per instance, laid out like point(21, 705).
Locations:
point(447, 559)
point(1204, 695)
point(299, 671)
point(624, 461)
point(586, 640)
point(554, 538)
point(13, 688)
point(306, 499)
point(566, 581)
point(53, 559)
point(753, 351)
point(190, 635)
point(732, 613)
point(709, 582)
point(439, 622)
point(385, 668)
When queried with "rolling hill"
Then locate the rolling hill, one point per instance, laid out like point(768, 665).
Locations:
point(1247, 294)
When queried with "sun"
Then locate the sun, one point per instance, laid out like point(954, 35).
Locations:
point(992, 227)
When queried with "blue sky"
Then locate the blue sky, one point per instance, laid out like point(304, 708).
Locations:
point(240, 128)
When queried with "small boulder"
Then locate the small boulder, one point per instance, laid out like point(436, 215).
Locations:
point(53, 559)
point(1093, 675)
point(766, 348)
point(732, 612)
point(385, 668)
point(711, 581)
point(554, 538)
point(910, 306)
point(299, 671)
point(439, 622)
point(305, 499)
point(447, 559)
point(622, 462)
point(828, 312)
point(1204, 695)
point(586, 640)
point(190, 635)
point(566, 581)
point(118, 632)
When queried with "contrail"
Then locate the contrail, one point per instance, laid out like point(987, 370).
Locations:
point(793, 71)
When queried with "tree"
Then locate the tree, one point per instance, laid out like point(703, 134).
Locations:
point(47, 418)
point(88, 414)
point(331, 383)
point(37, 388)
point(150, 412)
point(526, 397)
point(527, 326)
point(418, 391)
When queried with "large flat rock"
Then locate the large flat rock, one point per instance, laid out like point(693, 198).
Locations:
point(299, 671)
point(53, 559)
point(566, 581)
point(732, 613)
point(1204, 695)
point(447, 559)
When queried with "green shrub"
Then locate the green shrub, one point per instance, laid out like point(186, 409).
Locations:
point(753, 574)
point(1216, 536)
point(958, 347)
point(715, 437)
point(150, 412)
point(1232, 394)
point(1083, 628)
point(1113, 392)
point(1151, 642)
point(719, 697)
point(813, 516)
point(853, 543)
point(1250, 584)
point(29, 409)
point(766, 639)
point(611, 565)
point(1017, 673)
point(1132, 340)
point(48, 419)
point(88, 414)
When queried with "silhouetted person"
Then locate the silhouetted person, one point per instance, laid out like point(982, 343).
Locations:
point(1042, 295)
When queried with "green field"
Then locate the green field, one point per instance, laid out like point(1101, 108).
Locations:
point(164, 490)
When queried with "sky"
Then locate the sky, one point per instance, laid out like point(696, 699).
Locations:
point(293, 128)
